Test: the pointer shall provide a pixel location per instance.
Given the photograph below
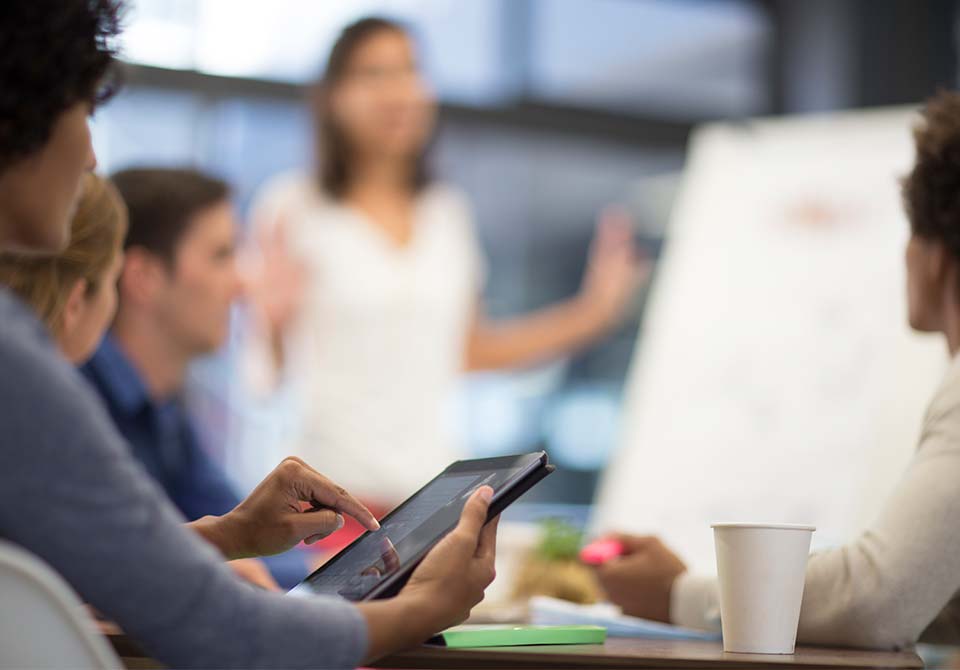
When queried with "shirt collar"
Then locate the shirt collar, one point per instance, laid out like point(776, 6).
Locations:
point(121, 380)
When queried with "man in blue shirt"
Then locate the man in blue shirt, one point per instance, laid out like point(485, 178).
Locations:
point(179, 281)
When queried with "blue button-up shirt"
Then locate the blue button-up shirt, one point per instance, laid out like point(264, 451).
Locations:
point(162, 437)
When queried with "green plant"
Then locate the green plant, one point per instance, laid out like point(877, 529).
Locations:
point(560, 541)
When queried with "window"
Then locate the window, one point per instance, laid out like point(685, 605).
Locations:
point(686, 57)
point(287, 40)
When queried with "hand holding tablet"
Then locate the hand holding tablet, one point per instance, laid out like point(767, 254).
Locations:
point(432, 557)
point(378, 563)
point(454, 575)
point(443, 589)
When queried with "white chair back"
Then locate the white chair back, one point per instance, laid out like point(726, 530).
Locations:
point(42, 622)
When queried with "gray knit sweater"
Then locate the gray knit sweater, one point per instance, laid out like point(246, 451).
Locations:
point(71, 493)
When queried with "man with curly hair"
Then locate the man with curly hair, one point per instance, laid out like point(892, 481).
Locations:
point(899, 581)
point(71, 492)
point(56, 60)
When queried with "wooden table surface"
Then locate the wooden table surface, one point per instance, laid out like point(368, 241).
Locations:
point(634, 653)
point(616, 653)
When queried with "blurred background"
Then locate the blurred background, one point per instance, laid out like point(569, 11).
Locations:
point(551, 110)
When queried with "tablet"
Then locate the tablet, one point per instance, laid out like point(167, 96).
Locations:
point(378, 563)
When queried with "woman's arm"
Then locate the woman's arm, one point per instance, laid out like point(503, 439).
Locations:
point(534, 338)
point(886, 587)
point(78, 499)
point(881, 591)
point(612, 276)
point(893, 582)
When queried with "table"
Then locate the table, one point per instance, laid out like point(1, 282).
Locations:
point(616, 653)
point(633, 653)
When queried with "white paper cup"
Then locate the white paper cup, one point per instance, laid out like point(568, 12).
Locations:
point(761, 568)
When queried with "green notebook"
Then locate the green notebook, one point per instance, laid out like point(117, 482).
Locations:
point(512, 635)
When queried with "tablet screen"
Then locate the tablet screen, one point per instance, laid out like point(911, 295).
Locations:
point(410, 529)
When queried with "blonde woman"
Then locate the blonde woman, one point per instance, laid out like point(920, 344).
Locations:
point(75, 292)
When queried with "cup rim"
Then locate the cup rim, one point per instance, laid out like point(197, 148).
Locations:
point(771, 526)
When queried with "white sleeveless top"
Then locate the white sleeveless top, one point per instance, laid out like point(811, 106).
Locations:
point(379, 346)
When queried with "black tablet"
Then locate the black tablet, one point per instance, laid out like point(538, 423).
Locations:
point(377, 564)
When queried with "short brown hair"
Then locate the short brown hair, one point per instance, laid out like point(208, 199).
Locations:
point(333, 152)
point(96, 235)
point(931, 191)
point(162, 203)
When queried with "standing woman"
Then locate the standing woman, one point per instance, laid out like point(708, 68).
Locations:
point(392, 273)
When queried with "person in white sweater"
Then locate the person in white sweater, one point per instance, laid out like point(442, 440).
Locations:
point(898, 582)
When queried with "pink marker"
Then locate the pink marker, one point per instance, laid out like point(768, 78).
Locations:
point(601, 551)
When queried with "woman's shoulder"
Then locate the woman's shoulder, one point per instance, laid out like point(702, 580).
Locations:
point(294, 200)
point(449, 199)
point(293, 189)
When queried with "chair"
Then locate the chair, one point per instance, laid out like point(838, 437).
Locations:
point(42, 622)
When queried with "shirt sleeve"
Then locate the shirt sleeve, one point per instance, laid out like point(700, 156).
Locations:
point(885, 588)
point(289, 568)
point(202, 487)
point(71, 494)
point(462, 215)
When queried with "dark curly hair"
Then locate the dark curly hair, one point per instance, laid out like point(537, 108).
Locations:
point(53, 54)
point(931, 192)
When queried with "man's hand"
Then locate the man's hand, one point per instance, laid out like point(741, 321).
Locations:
point(641, 579)
point(443, 589)
point(293, 503)
point(456, 572)
point(254, 571)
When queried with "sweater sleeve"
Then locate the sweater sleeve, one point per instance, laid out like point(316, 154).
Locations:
point(71, 494)
point(885, 588)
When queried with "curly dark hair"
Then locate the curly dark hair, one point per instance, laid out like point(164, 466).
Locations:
point(55, 53)
point(931, 192)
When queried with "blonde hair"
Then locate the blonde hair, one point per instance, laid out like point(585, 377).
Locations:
point(97, 231)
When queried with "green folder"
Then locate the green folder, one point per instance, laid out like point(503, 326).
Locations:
point(512, 635)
